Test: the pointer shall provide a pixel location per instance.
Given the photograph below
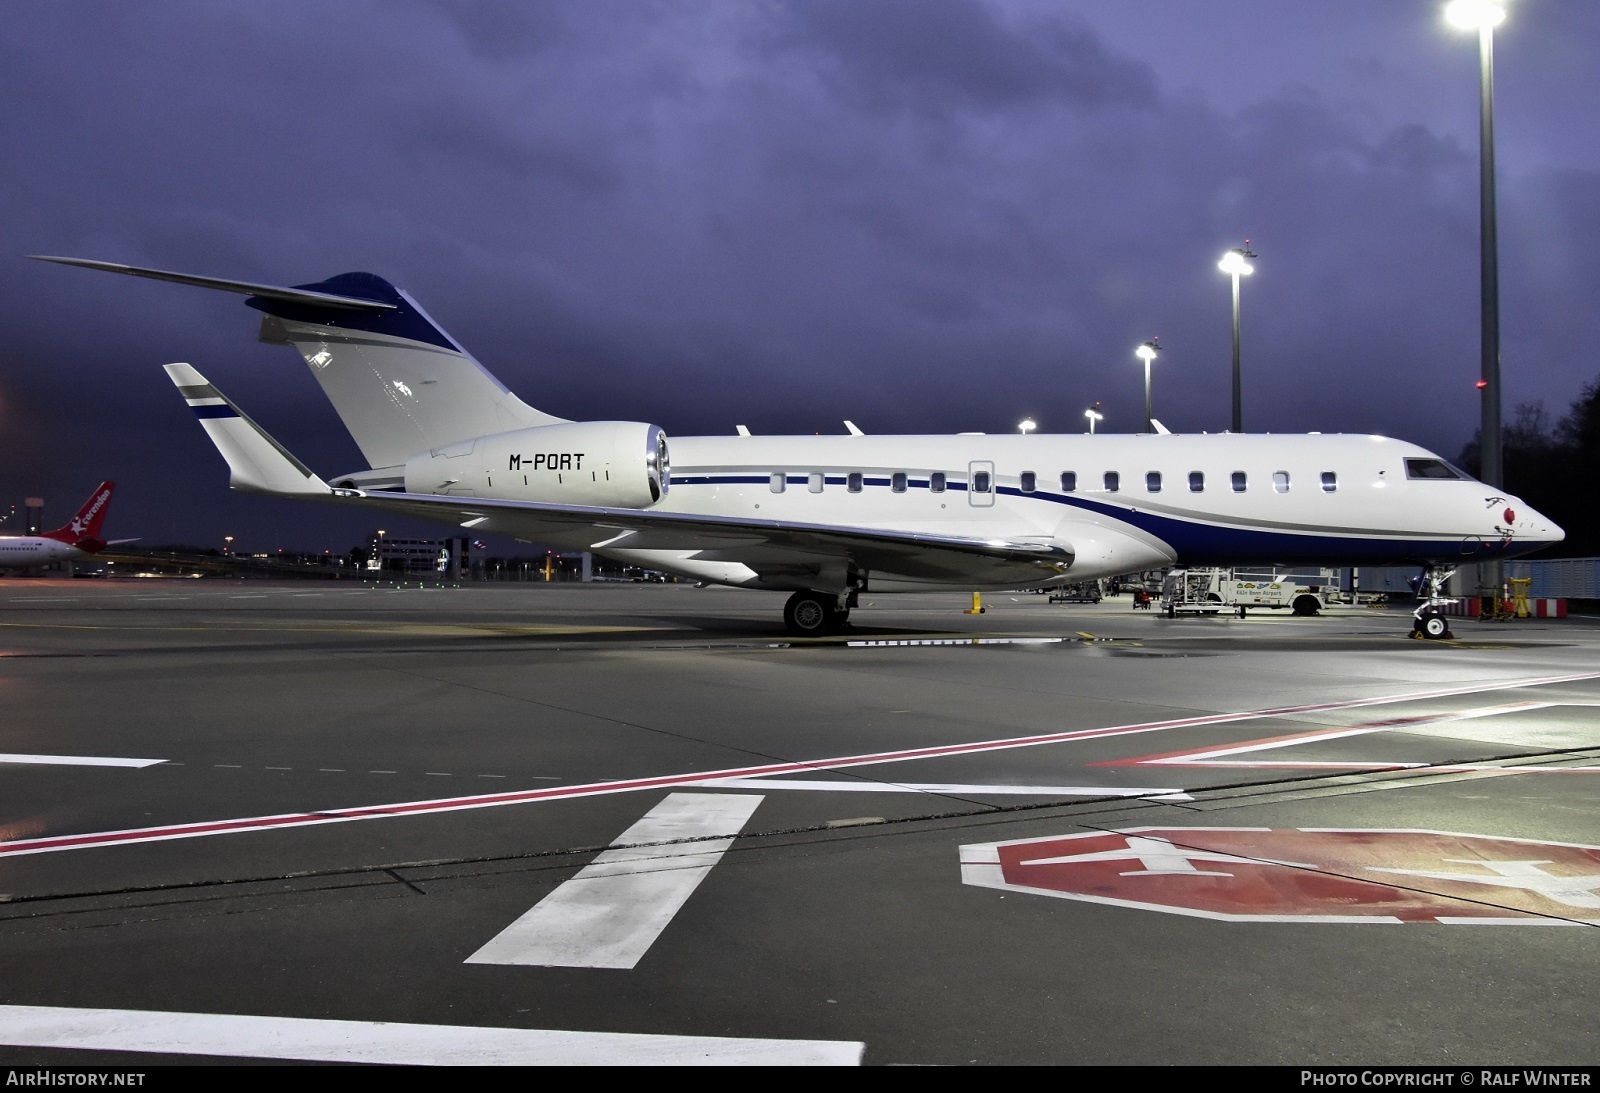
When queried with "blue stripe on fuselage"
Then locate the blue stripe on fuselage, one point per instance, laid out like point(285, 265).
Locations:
point(1199, 543)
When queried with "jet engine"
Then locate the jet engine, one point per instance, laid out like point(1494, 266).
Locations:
point(611, 464)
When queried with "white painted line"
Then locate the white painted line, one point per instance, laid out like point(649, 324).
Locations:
point(614, 909)
point(819, 785)
point(79, 760)
point(394, 1043)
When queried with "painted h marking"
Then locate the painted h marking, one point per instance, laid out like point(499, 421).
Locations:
point(614, 909)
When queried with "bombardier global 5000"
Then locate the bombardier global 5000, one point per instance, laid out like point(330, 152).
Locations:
point(826, 518)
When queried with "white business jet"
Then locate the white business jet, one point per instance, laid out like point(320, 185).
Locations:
point(826, 518)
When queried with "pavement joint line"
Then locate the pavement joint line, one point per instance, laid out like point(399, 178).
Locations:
point(238, 825)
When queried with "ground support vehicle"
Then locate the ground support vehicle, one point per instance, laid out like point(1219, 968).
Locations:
point(1082, 592)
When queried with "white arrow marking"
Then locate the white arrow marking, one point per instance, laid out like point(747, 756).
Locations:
point(1161, 858)
point(1572, 891)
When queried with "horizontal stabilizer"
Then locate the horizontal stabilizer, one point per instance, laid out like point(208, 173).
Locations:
point(256, 462)
point(245, 288)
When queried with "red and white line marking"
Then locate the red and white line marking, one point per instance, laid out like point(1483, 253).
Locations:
point(284, 821)
point(1223, 757)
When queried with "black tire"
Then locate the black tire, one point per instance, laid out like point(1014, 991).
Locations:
point(811, 614)
point(1241, 610)
point(1306, 605)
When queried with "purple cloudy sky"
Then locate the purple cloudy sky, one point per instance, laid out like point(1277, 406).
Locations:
point(922, 215)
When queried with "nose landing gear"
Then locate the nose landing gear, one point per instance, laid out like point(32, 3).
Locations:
point(1429, 620)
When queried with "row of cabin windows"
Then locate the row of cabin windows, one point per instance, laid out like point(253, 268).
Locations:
point(983, 482)
point(1238, 480)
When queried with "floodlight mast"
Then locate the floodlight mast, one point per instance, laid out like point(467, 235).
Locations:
point(1483, 16)
point(1147, 353)
point(1233, 263)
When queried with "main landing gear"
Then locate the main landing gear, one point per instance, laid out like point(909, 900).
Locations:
point(1429, 620)
point(816, 614)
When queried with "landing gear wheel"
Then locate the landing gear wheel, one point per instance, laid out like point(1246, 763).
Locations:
point(1432, 625)
point(812, 614)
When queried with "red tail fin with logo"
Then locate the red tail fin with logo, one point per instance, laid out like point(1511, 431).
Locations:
point(83, 530)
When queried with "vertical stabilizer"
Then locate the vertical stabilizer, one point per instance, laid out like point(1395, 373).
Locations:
point(83, 530)
point(399, 382)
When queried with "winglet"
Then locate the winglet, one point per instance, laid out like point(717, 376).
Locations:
point(256, 462)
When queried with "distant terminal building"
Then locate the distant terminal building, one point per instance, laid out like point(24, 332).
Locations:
point(460, 558)
point(419, 557)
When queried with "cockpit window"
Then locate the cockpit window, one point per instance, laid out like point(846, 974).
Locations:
point(1431, 468)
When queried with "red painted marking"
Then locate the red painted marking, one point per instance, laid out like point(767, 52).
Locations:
point(1287, 874)
point(595, 789)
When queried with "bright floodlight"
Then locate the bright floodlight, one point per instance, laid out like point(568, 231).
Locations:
point(1027, 426)
point(1145, 352)
point(1094, 416)
point(1475, 14)
point(1233, 262)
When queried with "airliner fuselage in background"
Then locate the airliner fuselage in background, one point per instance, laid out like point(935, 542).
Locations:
point(77, 538)
point(826, 518)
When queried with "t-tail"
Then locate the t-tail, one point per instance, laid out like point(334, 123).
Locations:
point(83, 530)
point(400, 384)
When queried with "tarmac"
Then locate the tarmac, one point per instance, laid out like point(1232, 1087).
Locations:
point(252, 821)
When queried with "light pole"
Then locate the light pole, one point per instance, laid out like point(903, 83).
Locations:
point(1147, 353)
point(1027, 426)
point(1093, 414)
point(227, 545)
point(1233, 263)
point(1483, 16)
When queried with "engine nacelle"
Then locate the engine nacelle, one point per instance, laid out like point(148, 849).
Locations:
point(612, 464)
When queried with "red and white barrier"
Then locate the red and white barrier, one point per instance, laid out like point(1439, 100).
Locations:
point(1472, 606)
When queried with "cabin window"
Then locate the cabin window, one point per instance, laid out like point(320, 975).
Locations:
point(1280, 481)
point(1431, 468)
point(1152, 481)
point(1113, 481)
point(1030, 481)
point(853, 483)
point(777, 483)
point(982, 482)
point(898, 482)
point(1238, 481)
point(814, 482)
point(1197, 481)
point(1330, 481)
point(936, 481)
point(1069, 481)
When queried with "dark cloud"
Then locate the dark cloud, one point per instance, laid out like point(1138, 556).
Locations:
point(932, 216)
point(925, 54)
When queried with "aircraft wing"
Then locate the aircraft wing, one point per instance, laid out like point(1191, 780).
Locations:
point(766, 546)
point(259, 464)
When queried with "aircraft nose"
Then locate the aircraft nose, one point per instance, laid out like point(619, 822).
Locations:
point(1530, 523)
